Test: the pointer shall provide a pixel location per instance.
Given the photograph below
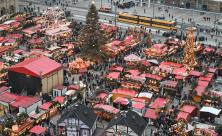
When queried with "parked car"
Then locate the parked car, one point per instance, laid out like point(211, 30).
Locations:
point(105, 9)
point(126, 5)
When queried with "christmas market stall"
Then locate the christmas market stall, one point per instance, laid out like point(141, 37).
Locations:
point(121, 103)
point(116, 68)
point(18, 37)
point(58, 33)
point(159, 103)
point(113, 78)
point(132, 59)
point(151, 115)
point(109, 30)
point(209, 113)
point(147, 96)
point(31, 31)
point(36, 43)
point(37, 130)
point(124, 93)
point(79, 66)
point(169, 86)
point(50, 108)
point(153, 82)
point(106, 112)
point(133, 80)
point(138, 105)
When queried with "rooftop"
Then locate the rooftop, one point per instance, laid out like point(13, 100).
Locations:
point(37, 67)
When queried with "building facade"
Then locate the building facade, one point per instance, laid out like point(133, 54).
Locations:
point(208, 5)
point(35, 76)
point(80, 121)
point(8, 6)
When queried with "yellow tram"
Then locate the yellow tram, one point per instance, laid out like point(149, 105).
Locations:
point(147, 21)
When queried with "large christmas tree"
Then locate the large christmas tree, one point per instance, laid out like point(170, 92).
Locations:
point(91, 37)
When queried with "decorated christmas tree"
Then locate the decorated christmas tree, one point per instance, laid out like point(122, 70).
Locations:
point(91, 37)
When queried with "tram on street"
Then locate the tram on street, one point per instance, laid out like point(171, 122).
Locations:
point(147, 21)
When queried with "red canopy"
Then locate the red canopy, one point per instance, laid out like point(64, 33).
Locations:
point(36, 41)
point(46, 106)
point(203, 83)
point(200, 90)
point(188, 108)
point(73, 87)
point(151, 114)
point(121, 100)
point(125, 91)
point(195, 73)
point(182, 115)
point(102, 95)
point(116, 68)
point(59, 99)
point(138, 105)
point(158, 103)
point(16, 36)
point(107, 108)
point(37, 130)
point(113, 75)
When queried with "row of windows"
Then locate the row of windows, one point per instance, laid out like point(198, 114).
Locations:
point(163, 24)
point(147, 21)
point(129, 18)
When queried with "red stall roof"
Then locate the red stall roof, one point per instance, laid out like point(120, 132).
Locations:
point(8, 97)
point(180, 71)
point(125, 91)
point(138, 105)
point(16, 36)
point(200, 90)
point(45, 106)
point(158, 103)
point(73, 87)
point(172, 64)
point(205, 78)
point(188, 108)
point(152, 76)
point(3, 89)
point(37, 67)
point(170, 83)
point(212, 70)
point(141, 100)
point(182, 115)
point(151, 114)
point(179, 77)
point(195, 73)
point(59, 99)
point(145, 63)
point(37, 130)
point(102, 95)
point(113, 75)
point(19, 51)
point(25, 101)
point(121, 100)
point(116, 68)
point(107, 108)
point(202, 83)
point(133, 72)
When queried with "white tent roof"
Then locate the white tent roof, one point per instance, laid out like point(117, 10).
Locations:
point(70, 92)
point(211, 110)
point(146, 94)
point(132, 57)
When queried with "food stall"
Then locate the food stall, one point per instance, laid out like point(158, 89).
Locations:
point(107, 112)
point(79, 66)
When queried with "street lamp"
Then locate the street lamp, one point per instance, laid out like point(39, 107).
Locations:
point(115, 11)
point(101, 4)
point(153, 8)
